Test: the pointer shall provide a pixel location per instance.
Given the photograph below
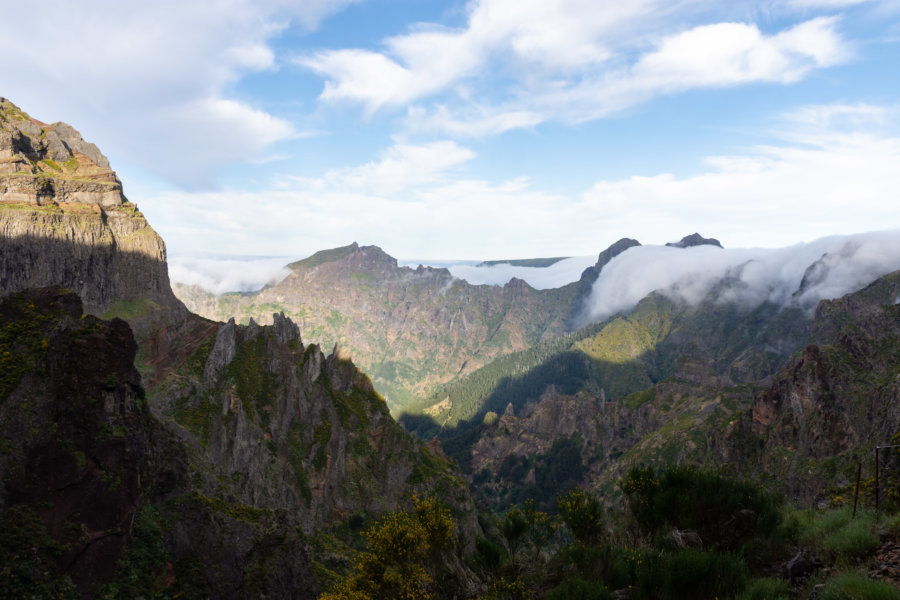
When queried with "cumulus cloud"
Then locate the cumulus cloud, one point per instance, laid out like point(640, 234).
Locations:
point(798, 275)
point(519, 63)
point(218, 275)
point(149, 82)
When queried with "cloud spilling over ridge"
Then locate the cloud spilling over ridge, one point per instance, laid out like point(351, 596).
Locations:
point(556, 275)
point(797, 275)
point(233, 274)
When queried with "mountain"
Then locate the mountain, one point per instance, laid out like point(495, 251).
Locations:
point(411, 329)
point(64, 220)
point(167, 452)
point(772, 391)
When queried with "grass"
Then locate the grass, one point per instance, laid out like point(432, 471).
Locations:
point(836, 534)
point(855, 586)
point(323, 256)
point(766, 589)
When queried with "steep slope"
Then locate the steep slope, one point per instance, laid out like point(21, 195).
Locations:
point(839, 398)
point(65, 221)
point(76, 434)
point(410, 328)
point(279, 425)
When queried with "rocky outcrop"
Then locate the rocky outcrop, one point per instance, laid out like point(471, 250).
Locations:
point(75, 428)
point(65, 222)
point(839, 397)
point(89, 476)
point(695, 239)
point(292, 429)
point(45, 164)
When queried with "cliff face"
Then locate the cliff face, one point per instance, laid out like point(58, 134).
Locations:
point(64, 221)
point(840, 397)
point(283, 426)
point(75, 429)
point(411, 329)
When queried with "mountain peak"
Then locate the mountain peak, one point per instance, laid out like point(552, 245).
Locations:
point(695, 239)
point(45, 164)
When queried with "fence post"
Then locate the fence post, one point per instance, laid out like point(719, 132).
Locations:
point(856, 491)
point(877, 480)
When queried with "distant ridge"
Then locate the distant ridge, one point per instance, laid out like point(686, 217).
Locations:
point(524, 262)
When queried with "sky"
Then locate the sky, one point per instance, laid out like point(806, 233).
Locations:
point(474, 130)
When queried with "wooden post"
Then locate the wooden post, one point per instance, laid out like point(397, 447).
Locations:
point(856, 491)
point(877, 481)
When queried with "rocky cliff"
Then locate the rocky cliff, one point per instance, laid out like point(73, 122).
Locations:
point(838, 398)
point(65, 221)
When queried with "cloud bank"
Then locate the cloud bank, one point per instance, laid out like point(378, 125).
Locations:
point(798, 275)
point(233, 274)
point(556, 275)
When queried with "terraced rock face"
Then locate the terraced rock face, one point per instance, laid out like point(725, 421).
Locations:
point(64, 221)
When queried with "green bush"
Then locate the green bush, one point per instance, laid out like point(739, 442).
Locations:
point(28, 558)
point(690, 574)
point(854, 586)
point(583, 515)
point(579, 589)
point(725, 512)
point(766, 589)
point(615, 566)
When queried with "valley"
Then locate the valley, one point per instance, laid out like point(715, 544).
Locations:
point(361, 429)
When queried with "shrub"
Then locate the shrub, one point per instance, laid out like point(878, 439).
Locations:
point(766, 589)
point(583, 515)
point(725, 512)
point(690, 574)
point(854, 586)
point(579, 589)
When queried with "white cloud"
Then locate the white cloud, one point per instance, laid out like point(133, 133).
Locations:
point(401, 166)
point(149, 81)
point(734, 53)
point(840, 180)
point(799, 275)
point(518, 63)
point(218, 275)
point(556, 275)
point(813, 4)
point(473, 121)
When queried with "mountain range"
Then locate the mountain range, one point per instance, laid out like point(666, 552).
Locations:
point(206, 446)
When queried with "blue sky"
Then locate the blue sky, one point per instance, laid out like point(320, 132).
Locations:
point(476, 130)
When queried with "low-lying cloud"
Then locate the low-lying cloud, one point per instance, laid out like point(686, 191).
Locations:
point(218, 275)
point(556, 275)
point(799, 275)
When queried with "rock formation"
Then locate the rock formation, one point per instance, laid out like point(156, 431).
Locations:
point(64, 221)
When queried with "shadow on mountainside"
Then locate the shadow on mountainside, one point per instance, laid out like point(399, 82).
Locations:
point(111, 281)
